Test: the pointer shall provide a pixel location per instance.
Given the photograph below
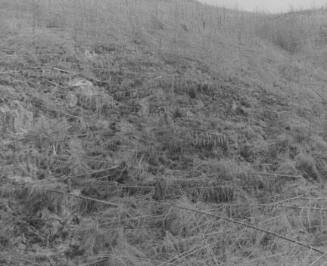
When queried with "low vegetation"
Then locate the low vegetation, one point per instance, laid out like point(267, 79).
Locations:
point(161, 133)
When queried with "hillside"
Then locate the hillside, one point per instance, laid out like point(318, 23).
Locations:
point(145, 132)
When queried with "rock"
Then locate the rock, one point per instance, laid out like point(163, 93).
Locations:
point(88, 96)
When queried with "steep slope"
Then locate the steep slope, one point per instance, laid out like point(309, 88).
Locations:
point(121, 120)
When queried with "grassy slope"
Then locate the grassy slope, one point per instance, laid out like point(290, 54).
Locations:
point(182, 104)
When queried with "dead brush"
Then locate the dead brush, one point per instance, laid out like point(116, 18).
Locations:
point(37, 198)
point(207, 140)
point(126, 254)
point(230, 170)
point(173, 147)
point(301, 134)
point(312, 221)
point(213, 193)
point(188, 85)
point(218, 194)
point(93, 239)
point(261, 186)
point(172, 245)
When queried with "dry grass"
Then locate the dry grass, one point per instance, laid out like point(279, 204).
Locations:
point(160, 133)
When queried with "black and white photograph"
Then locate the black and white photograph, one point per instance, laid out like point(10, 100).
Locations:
point(163, 132)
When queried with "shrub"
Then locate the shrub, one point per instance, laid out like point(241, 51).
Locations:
point(287, 34)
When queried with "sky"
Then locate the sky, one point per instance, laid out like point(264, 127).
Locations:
point(267, 5)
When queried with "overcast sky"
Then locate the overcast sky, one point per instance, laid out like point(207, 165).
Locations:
point(268, 5)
